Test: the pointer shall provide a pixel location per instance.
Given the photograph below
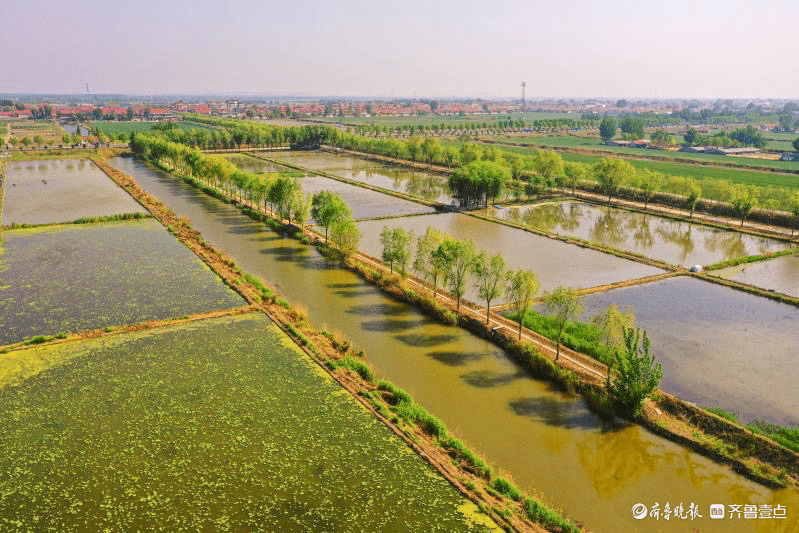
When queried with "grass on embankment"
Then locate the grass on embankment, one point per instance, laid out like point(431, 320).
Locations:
point(785, 435)
point(83, 220)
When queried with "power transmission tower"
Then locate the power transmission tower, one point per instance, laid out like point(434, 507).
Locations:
point(524, 107)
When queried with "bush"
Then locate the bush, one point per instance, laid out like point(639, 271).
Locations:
point(359, 367)
point(506, 488)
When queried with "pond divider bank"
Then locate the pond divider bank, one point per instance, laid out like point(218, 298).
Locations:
point(752, 461)
point(84, 220)
point(425, 434)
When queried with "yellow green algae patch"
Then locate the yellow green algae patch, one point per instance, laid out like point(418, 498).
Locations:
point(214, 425)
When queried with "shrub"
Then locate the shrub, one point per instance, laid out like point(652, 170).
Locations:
point(359, 367)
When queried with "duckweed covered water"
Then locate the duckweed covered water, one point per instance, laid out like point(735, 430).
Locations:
point(557, 263)
point(546, 440)
point(220, 425)
point(72, 278)
point(61, 190)
point(720, 347)
point(671, 241)
point(364, 203)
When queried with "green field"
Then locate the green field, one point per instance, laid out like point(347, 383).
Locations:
point(218, 425)
point(448, 119)
point(569, 141)
point(111, 127)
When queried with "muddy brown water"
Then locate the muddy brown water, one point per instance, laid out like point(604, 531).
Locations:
point(672, 241)
point(61, 190)
point(557, 263)
point(719, 347)
point(547, 441)
point(780, 274)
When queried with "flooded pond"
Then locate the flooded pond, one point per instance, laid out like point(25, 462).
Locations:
point(671, 241)
point(61, 190)
point(780, 274)
point(719, 347)
point(364, 203)
point(546, 440)
point(556, 262)
point(253, 164)
point(73, 128)
point(316, 160)
point(78, 277)
point(217, 425)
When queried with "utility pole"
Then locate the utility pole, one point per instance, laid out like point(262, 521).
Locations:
point(524, 107)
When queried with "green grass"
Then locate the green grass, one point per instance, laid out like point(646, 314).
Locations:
point(787, 436)
point(578, 336)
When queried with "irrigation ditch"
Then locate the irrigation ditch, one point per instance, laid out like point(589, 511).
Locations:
point(751, 454)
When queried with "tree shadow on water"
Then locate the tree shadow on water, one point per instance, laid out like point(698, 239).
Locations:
point(485, 378)
point(425, 341)
point(385, 309)
point(566, 414)
point(389, 325)
point(457, 358)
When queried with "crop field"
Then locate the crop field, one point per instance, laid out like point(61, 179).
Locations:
point(113, 127)
point(700, 172)
point(220, 425)
point(569, 141)
point(61, 190)
point(72, 278)
point(49, 130)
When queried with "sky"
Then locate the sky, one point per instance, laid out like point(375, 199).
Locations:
point(567, 48)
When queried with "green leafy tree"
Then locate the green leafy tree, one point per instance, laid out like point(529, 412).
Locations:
point(612, 323)
point(522, 286)
point(612, 173)
point(693, 196)
point(345, 236)
point(327, 208)
point(396, 247)
point(796, 144)
point(548, 164)
point(426, 264)
point(649, 182)
point(743, 202)
point(457, 256)
point(38, 139)
point(633, 126)
point(607, 128)
point(489, 273)
point(26, 141)
point(563, 305)
point(300, 207)
point(637, 372)
point(691, 136)
point(575, 174)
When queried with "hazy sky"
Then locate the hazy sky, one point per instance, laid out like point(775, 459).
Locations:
point(609, 48)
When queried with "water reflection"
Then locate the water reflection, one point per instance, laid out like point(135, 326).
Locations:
point(672, 241)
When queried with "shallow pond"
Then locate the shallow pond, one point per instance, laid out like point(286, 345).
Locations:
point(557, 263)
point(61, 190)
point(780, 274)
point(720, 347)
point(78, 277)
point(316, 160)
point(671, 241)
point(545, 440)
point(364, 203)
point(413, 183)
point(253, 164)
point(219, 425)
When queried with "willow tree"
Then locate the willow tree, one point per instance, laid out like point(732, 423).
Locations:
point(489, 272)
point(522, 286)
point(612, 173)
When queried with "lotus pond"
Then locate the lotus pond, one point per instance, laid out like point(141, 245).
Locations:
point(61, 190)
point(671, 241)
point(76, 277)
point(219, 425)
point(719, 347)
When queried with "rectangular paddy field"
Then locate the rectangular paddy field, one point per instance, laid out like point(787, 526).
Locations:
point(780, 274)
point(254, 164)
point(78, 277)
point(217, 425)
point(411, 182)
point(61, 190)
point(720, 347)
point(364, 203)
point(557, 263)
point(671, 241)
